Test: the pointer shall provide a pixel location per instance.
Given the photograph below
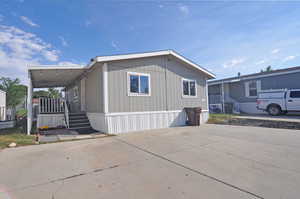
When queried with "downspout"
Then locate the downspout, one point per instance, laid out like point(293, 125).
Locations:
point(166, 83)
point(207, 100)
point(223, 98)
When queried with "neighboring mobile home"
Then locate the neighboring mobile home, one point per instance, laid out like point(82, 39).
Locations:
point(123, 93)
point(241, 91)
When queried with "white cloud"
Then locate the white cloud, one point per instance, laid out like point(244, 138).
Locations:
point(28, 21)
point(114, 45)
point(260, 62)
point(51, 55)
point(234, 62)
point(289, 58)
point(184, 9)
point(63, 41)
point(18, 49)
point(275, 51)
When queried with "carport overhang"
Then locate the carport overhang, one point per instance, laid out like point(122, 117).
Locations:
point(54, 76)
point(49, 77)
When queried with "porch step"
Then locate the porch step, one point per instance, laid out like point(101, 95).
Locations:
point(77, 114)
point(80, 122)
point(77, 124)
point(83, 131)
point(78, 117)
point(83, 120)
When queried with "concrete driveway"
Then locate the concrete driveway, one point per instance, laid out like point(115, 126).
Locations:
point(211, 161)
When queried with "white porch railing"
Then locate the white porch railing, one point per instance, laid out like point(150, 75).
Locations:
point(54, 106)
point(51, 105)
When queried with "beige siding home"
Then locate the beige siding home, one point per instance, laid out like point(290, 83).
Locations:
point(140, 91)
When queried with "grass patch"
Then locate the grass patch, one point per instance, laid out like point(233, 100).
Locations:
point(219, 118)
point(10, 135)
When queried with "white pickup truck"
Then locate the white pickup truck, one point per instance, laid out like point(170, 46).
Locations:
point(277, 102)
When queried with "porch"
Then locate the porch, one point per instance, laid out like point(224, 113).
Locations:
point(220, 100)
point(56, 113)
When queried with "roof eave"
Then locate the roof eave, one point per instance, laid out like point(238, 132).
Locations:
point(54, 67)
point(152, 54)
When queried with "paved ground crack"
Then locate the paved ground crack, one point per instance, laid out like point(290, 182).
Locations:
point(190, 169)
point(65, 178)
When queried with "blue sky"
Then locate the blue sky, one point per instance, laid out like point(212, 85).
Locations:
point(225, 37)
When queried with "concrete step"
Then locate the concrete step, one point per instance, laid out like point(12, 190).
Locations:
point(82, 127)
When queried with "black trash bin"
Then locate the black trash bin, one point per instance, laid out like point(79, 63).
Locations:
point(193, 116)
point(197, 115)
point(190, 116)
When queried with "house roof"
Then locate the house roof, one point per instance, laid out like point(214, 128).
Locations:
point(44, 76)
point(153, 54)
point(256, 75)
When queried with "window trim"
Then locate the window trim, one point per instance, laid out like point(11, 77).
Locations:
point(129, 93)
point(182, 91)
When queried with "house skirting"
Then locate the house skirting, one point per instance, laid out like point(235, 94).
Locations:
point(50, 120)
point(116, 123)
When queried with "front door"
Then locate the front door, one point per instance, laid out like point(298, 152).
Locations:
point(293, 100)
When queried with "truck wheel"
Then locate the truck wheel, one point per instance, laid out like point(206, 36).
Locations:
point(274, 110)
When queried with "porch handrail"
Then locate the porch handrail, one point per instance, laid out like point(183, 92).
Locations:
point(66, 113)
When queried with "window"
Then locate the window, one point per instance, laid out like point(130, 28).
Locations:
point(295, 94)
point(189, 88)
point(75, 92)
point(252, 88)
point(138, 84)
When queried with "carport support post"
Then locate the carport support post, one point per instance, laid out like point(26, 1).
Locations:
point(223, 98)
point(29, 105)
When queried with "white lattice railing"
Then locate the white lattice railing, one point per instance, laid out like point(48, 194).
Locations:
point(51, 105)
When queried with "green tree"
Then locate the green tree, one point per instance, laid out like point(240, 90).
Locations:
point(15, 92)
point(51, 92)
point(40, 93)
point(267, 69)
point(54, 93)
